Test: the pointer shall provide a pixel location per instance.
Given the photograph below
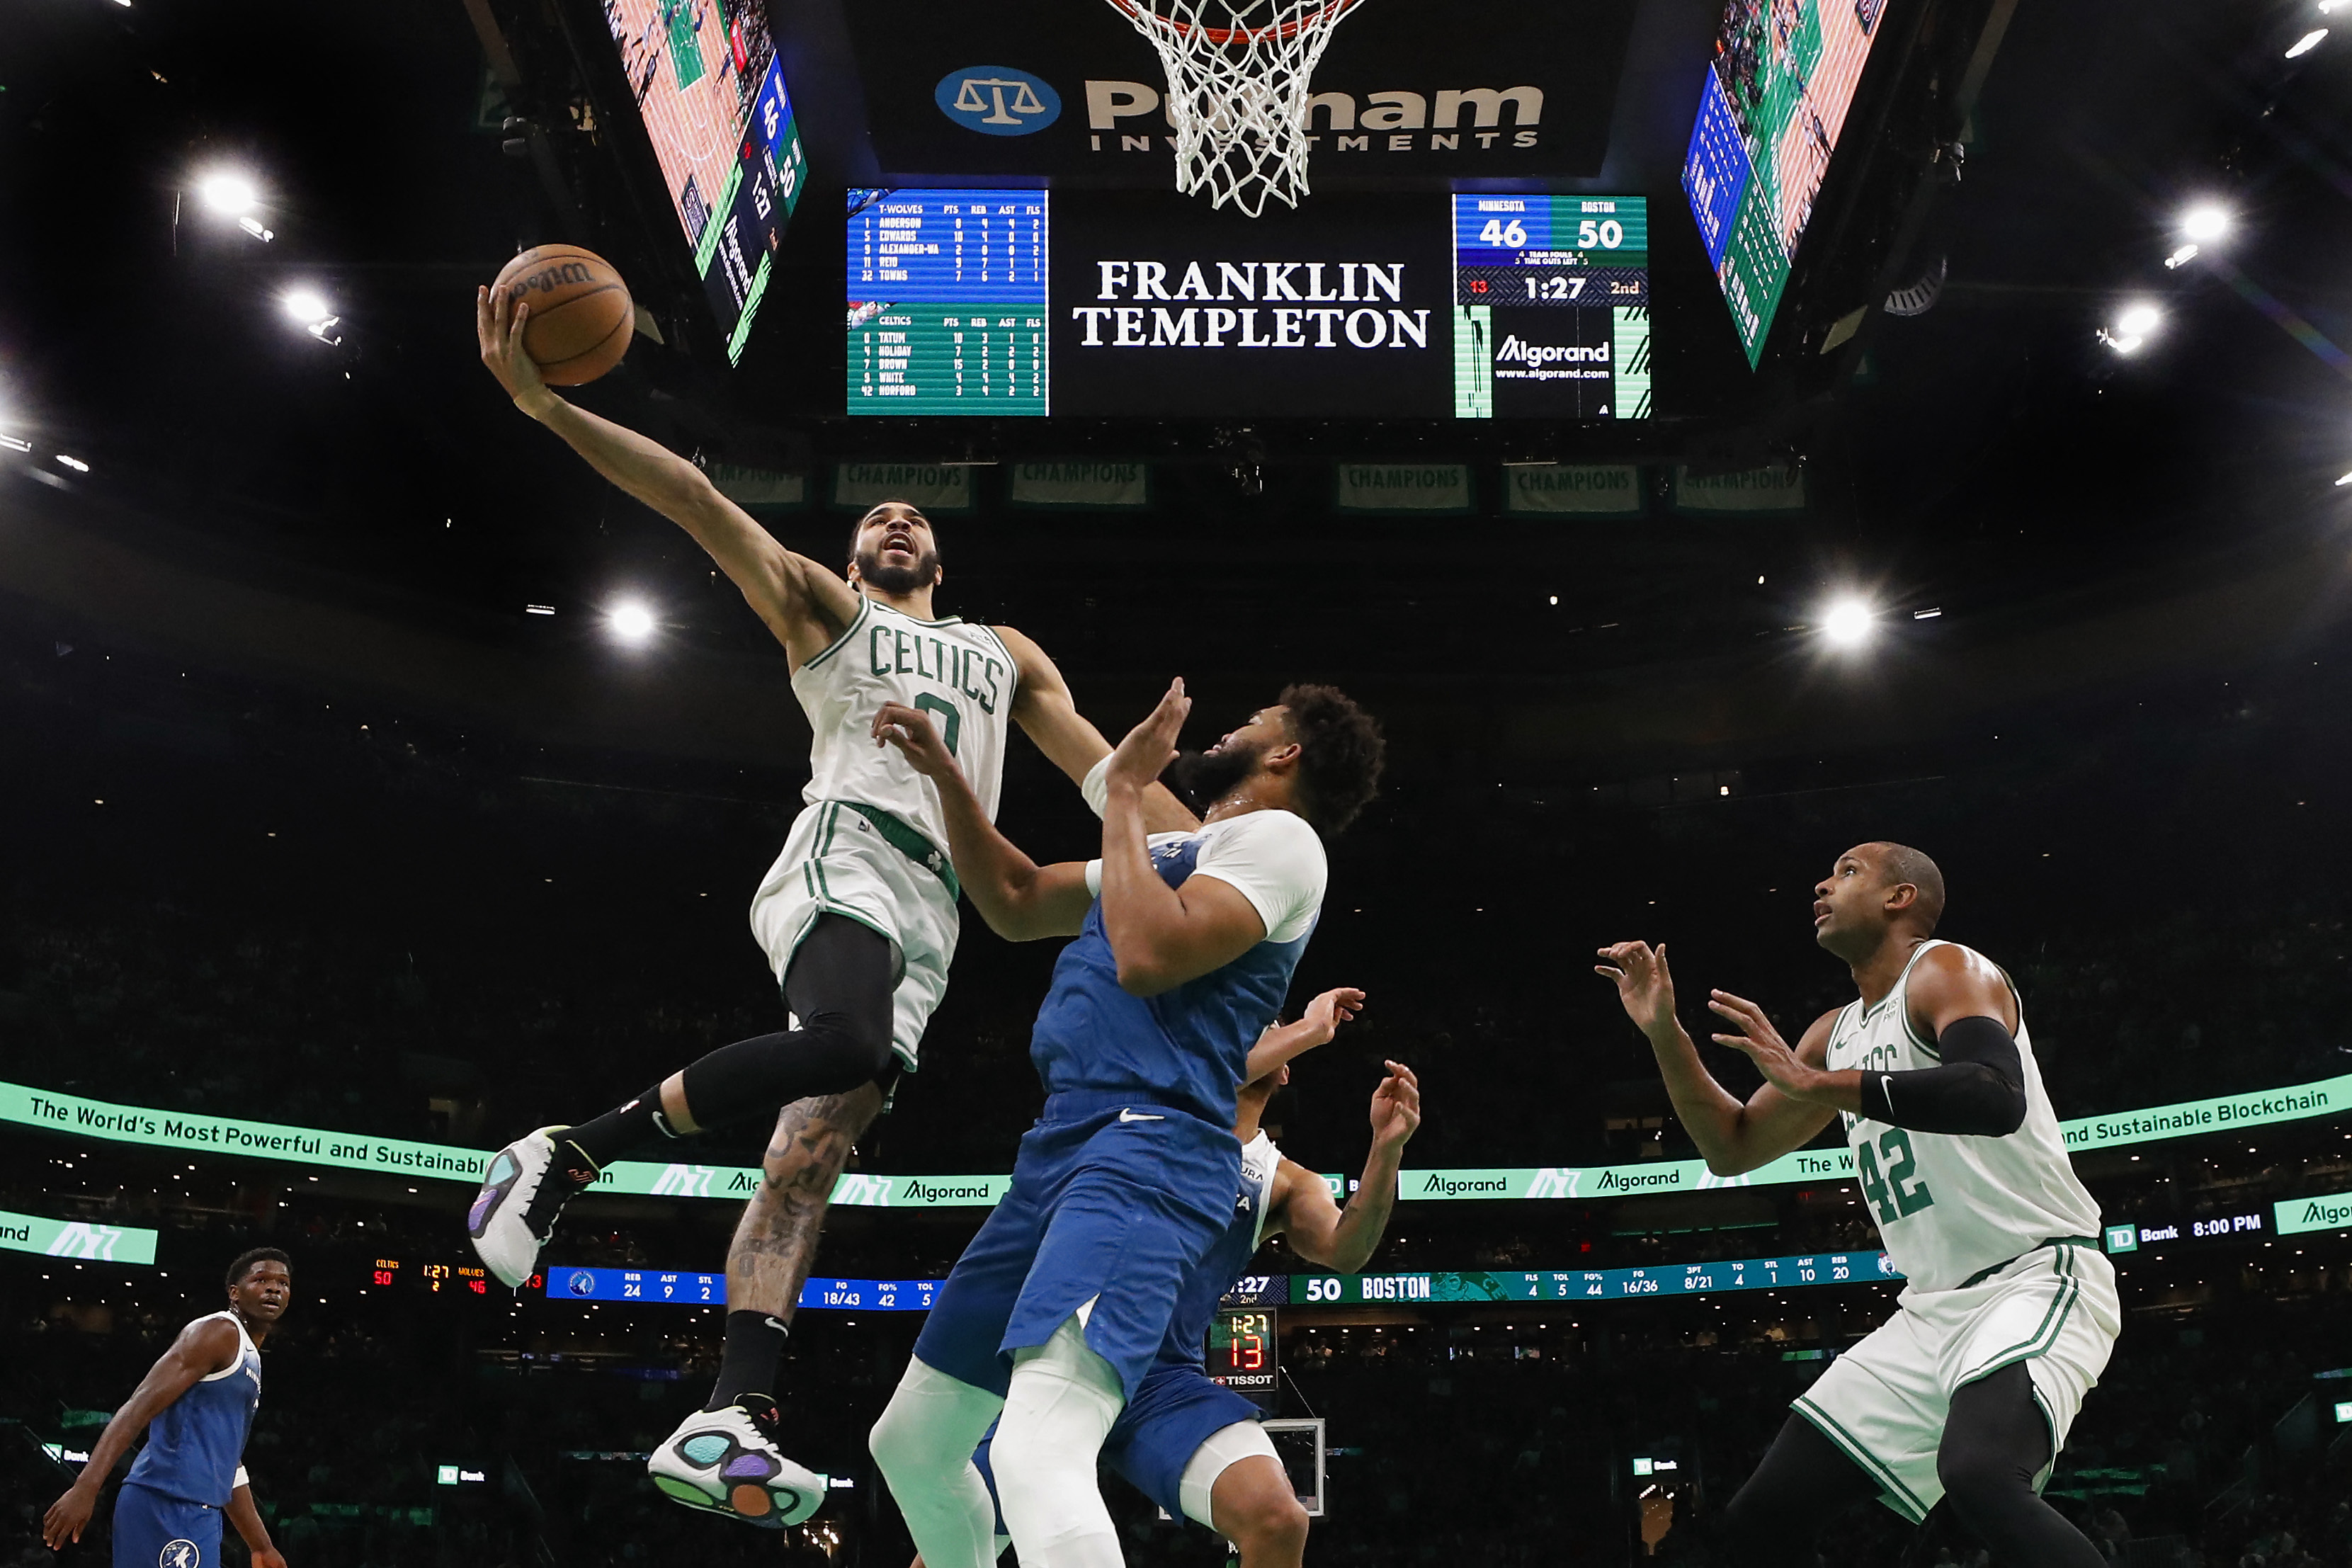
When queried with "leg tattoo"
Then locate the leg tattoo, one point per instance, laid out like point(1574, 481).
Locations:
point(775, 1241)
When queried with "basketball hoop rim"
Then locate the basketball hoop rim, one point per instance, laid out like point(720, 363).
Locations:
point(1142, 16)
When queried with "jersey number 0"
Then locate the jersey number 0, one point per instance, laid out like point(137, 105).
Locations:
point(950, 720)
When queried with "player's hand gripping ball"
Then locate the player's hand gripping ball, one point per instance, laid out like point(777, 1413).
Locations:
point(580, 315)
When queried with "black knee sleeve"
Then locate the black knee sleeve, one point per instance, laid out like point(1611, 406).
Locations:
point(1996, 1441)
point(839, 989)
point(1803, 1480)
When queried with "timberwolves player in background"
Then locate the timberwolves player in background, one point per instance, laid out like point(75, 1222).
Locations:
point(1186, 944)
point(857, 916)
point(195, 1405)
point(2010, 1308)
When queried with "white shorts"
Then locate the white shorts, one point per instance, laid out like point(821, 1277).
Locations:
point(838, 861)
point(1886, 1401)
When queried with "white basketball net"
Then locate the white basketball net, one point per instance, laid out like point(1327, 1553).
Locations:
point(1237, 77)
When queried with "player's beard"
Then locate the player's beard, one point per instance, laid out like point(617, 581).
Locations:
point(899, 579)
point(1203, 778)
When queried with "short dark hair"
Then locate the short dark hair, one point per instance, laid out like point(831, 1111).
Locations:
point(1339, 754)
point(867, 516)
point(1900, 863)
point(243, 1263)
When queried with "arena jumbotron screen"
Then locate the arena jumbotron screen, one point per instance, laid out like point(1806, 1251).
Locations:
point(1771, 110)
point(709, 88)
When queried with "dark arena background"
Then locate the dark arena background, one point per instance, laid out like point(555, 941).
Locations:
point(1732, 436)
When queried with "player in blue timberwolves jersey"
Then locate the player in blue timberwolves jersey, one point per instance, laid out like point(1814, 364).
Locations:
point(1190, 1444)
point(195, 1405)
point(1186, 943)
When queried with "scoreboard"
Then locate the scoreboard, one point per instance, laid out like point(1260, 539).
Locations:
point(1562, 1284)
point(1416, 305)
point(1770, 111)
point(1243, 1330)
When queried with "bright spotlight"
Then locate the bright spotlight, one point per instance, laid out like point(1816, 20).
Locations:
point(76, 464)
point(2137, 321)
point(630, 621)
point(306, 306)
point(1847, 623)
point(2307, 43)
point(232, 196)
point(2205, 222)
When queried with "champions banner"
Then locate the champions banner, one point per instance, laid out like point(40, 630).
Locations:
point(391, 1156)
point(1080, 484)
point(76, 1239)
point(1426, 488)
point(930, 487)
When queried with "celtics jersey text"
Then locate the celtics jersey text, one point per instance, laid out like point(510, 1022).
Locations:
point(1950, 1206)
point(960, 674)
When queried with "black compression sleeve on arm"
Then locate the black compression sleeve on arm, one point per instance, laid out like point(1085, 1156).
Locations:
point(1978, 1090)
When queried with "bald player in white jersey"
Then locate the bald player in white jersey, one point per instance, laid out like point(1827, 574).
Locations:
point(2009, 1311)
point(857, 916)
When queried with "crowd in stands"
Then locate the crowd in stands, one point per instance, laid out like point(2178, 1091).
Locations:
point(1464, 1438)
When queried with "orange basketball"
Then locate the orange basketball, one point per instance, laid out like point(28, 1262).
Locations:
point(581, 316)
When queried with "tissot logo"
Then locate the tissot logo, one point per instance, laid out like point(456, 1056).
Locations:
point(997, 101)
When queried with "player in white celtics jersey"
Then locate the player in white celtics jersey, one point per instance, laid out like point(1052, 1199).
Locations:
point(2010, 1308)
point(857, 916)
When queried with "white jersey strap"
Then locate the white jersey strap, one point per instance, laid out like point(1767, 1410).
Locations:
point(245, 1346)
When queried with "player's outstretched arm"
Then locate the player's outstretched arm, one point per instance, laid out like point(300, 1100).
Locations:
point(1321, 1231)
point(1044, 709)
point(806, 607)
point(1162, 936)
point(1957, 997)
point(1733, 1136)
point(202, 1348)
point(1020, 900)
point(250, 1529)
point(1287, 1042)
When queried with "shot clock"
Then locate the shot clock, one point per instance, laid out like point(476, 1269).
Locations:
point(1243, 1354)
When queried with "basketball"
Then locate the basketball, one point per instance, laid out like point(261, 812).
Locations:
point(581, 314)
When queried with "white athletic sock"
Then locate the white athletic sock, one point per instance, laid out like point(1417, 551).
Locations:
point(924, 1444)
point(1063, 1401)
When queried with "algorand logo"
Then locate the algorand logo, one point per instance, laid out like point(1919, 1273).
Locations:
point(2327, 1211)
point(1444, 1183)
point(929, 1192)
point(1517, 351)
point(997, 101)
point(1640, 1181)
point(683, 1182)
point(80, 1240)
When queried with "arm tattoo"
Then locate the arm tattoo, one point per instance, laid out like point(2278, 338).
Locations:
point(775, 1241)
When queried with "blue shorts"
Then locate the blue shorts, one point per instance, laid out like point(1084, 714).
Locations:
point(156, 1530)
point(1114, 1203)
point(1164, 1424)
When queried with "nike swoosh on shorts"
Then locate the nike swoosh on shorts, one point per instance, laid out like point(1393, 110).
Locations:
point(1126, 1115)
